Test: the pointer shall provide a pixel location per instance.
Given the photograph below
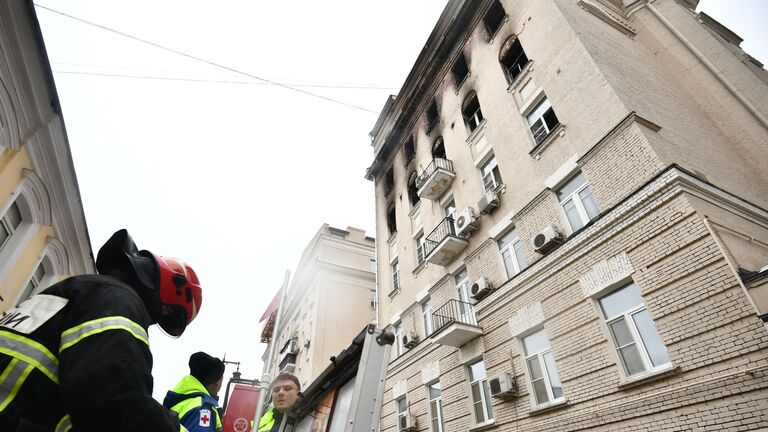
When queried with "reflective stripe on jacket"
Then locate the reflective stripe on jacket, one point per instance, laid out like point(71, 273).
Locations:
point(194, 405)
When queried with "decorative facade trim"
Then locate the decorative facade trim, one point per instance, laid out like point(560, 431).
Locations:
point(430, 373)
point(399, 389)
point(472, 350)
point(526, 318)
point(606, 274)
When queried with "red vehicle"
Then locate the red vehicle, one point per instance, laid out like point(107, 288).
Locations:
point(240, 408)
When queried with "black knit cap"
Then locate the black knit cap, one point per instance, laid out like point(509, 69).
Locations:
point(205, 368)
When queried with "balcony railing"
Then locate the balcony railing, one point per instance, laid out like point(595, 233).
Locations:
point(435, 179)
point(442, 244)
point(455, 324)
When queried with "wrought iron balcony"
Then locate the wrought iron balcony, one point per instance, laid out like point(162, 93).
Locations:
point(455, 324)
point(442, 244)
point(435, 179)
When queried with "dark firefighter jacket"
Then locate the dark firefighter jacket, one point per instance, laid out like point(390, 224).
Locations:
point(78, 354)
point(196, 408)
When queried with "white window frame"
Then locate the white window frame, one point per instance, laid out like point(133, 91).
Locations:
point(421, 248)
point(426, 316)
point(401, 404)
point(537, 113)
point(485, 395)
point(398, 330)
point(490, 168)
point(477, 119)
point(575, 197)
point(395, 267)
point(627, 315)
point(539, 357)
point(6, 224)
point(512, 248)
point(438, 404)
point(462, 292)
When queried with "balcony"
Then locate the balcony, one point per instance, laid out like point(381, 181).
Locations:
point(442, 245)
point(435, 179)
point(455, 324)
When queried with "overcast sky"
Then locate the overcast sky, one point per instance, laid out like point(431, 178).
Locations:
point(231, 175)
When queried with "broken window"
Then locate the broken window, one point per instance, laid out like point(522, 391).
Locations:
point(514, 59)
point(432, 116)
point(460, 70)
point(438, 149)
point(391, 220)
point(389, 181)
point(410, 150)
point(413, 194)
point(473, 116)
point(494, 18)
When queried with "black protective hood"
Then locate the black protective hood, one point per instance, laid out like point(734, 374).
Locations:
point(120, 258)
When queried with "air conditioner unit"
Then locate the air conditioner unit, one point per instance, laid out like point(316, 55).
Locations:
point(480, 288)
point(466, 222)
point(547, 239)
point(410, 339)
point(407, 423)
point(503, 386)
point(488, 202)
point(290, 368)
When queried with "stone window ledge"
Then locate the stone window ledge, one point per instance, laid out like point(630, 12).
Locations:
point(646, 378)
point(483, 426)
point(556, 133)
point(550, 407)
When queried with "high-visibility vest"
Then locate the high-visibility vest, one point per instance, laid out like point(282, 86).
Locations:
point(267, 421)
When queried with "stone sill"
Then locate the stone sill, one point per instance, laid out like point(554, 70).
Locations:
point(550, 407)
point(483, 426)
point(649, 377)
point(559, 131)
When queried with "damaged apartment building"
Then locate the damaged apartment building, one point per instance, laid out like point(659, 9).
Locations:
point(571, 204)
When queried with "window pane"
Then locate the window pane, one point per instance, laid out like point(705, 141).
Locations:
point(550, 119)
point(621, 333)
point(540, 390)
point(39, 272)
point(476, 392)
point(434, 391)
point(507, 238)
point(402, 405)
point(518, 246)
point(574, 219)
point(535, 343)
point(461, 277)
point(630, 357)
point(539, 111)
point(588, 200)
point(477, 371)
point(506, 256)
point(534, 368)
point(554, 377)
point(651, 339)
point(576, 182)
point(620, 301)
point(14, 215)
point(4, 234)
point(488, 409)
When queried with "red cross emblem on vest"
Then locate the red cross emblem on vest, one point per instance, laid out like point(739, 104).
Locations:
point(205, 417)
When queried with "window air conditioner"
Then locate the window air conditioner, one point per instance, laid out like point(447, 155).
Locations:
point(503, 386)
point(480, 288)
point(488, 202)
point(466, 222)
point(290, 368)
point(407, 423)
point(410, 340)
point(547, 239)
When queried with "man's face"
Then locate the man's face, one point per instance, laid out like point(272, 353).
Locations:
point(284, 394)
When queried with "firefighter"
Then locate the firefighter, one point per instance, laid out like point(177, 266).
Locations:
point(76, 356)
point(195, 397)
point(285, 391)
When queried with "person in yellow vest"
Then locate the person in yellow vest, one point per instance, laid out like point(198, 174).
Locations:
point(195, 397)
point(285, 391)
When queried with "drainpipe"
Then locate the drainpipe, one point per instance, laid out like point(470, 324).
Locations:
point(266, 379)
point(710, 66)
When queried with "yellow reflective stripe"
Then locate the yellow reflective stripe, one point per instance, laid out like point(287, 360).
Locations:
point(90, 328)
point(65, 424)
point(182, 428)
point(30, 352)
point(13, 377)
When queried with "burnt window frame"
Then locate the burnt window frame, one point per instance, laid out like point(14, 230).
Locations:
point(461, 64)
point(465, 106)
point(432, 114)
point(392, 218)
point(389, 181)
point(413, 191)
point(409, 150)
point(506, 52)
point(439, 142)
point(496, 7)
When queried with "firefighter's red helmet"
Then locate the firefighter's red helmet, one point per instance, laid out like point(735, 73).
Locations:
point(180, 294)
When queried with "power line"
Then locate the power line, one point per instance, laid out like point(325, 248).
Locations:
point(218, 81)
point(193, 57)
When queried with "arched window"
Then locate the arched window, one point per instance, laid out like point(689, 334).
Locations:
point(438, 149)
point(512, 58)
point(391, 219)
point(409, 149)
point(9, 126)
point(413, 194)
point(471, 112)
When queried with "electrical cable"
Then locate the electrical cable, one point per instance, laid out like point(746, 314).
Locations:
point(218, 81)
point(200, 59)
